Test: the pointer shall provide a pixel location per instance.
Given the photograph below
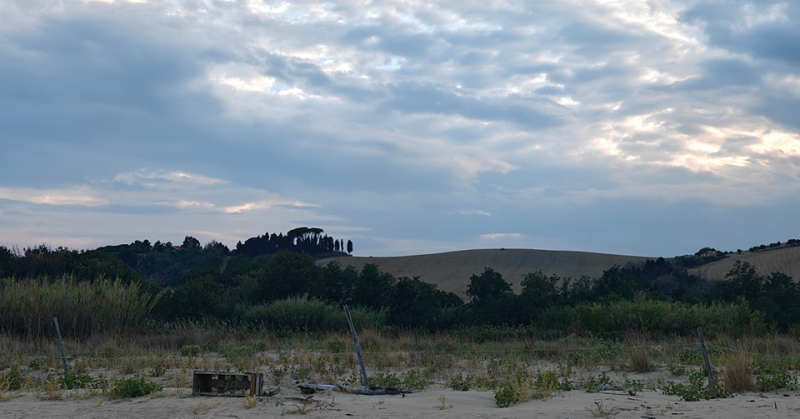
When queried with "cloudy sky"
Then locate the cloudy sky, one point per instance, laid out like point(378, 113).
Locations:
point(637, 127)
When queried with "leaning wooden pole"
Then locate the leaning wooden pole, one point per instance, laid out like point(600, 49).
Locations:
point(709, 371)
point(358, 346)
point(61, 346)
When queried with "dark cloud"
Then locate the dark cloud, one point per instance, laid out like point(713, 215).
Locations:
point(766, 29)
point(427, 98)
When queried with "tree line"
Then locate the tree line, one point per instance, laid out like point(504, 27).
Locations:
point(212, 282)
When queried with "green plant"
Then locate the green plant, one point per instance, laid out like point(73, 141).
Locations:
point(190, 350)
point(12, 380)
point(696, 390)
point(633, 385)
point(385, 380)
point(443, 403)
point(50, 390)
point(133, 387)
point(159, 369)
point(461, 382)
point(595, 384)
point(73, 380)
point(413, 380)
point(505, 395)
point(776, 380)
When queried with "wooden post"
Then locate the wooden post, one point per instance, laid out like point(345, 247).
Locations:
point(358, 346)
point(61, 346)
point(709, 371)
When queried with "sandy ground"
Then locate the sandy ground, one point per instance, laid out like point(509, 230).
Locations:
point(428, 404)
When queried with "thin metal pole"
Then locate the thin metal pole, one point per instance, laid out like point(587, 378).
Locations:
point(358, 346)
point(61, 346)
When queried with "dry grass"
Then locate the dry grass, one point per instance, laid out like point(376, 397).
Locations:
point(786, 260)
point(451, 271)
point(407, 358)
point(738, 373)
point(640, 361)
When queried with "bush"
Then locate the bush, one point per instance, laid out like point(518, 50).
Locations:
point(190, 350)
point(311, 314)
point(133, 387)
point(12, 380)
point(696, 390)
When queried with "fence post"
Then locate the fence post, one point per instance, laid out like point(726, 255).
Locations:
point(61, 346)
point(709, 371)
point(358, 346)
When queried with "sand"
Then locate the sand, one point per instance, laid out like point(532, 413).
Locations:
point(427, 404)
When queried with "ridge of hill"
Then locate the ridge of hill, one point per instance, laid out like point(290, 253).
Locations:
point(785, 260)
point(451, 271)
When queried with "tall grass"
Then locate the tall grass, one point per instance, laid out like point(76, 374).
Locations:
point(27, 307)
point(652, 318)
point(310, 314)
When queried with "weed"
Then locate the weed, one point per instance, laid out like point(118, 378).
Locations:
point(159, 369)
point(776, 380)
point(50, 390)
point(602, 411)
point(506, 395)
point(595, 384)
point(443, 403)
point(12, 380)
point(696, 390)
point(676, 369)
point(133, 387)
point(190, 350)
point(461, 382)
point(249, 402)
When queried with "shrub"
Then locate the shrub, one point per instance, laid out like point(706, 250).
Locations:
point(311, 314)
point(460, 383)
point(696, 390)
point(12, 380)
point(190, 350)
point(133, 387)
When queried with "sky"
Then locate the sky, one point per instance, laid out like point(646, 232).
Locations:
point(648, 128)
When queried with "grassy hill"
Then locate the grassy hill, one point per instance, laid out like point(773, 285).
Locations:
point(786, 260)
point(451, 271)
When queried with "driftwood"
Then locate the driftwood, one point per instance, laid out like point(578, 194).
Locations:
point(309, 388)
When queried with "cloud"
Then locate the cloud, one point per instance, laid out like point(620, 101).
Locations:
point(386, 119)
point(496, 236)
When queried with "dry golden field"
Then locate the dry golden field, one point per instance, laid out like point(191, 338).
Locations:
point(786, 260)
point(451, 271)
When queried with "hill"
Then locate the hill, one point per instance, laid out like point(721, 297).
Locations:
point(786, 260)
point(451, 271)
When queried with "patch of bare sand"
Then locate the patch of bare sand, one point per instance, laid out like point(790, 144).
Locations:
point(428, 404)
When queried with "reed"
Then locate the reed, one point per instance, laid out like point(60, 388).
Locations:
point(83, 308)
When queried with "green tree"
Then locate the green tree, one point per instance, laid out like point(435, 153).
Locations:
point(491, 298)
point(288, 274)
point(373, 289)
point(349, 247)
point(538, 293)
